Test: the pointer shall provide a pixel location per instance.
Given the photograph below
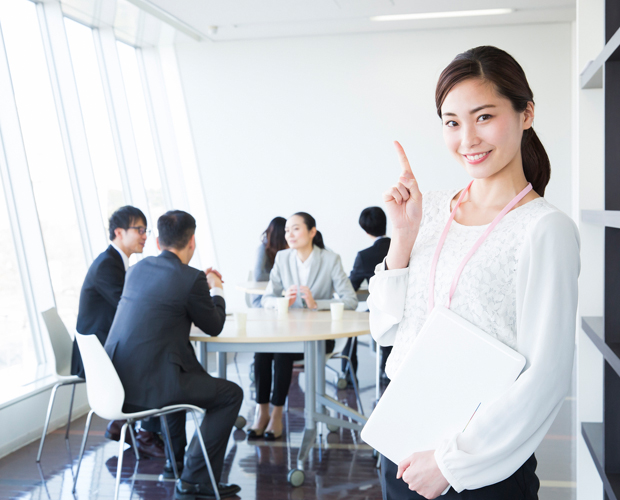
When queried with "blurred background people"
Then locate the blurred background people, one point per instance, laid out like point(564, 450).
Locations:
point(272, 241)
point(99, 299)
point(308, 274)
point(149, 340)
point(374, 222)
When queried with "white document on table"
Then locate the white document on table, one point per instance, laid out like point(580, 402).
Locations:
point(452, 370)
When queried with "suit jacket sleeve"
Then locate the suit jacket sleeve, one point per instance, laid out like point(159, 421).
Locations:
point(261, 272)
point(206, 312)
point(343, 288)
point(109, 281)
point(261, 269)
point(357, 273)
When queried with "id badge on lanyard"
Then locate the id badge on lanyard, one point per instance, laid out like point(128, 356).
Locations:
point(444, 234)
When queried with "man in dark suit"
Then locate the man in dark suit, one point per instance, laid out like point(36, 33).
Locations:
point(150, 348)
point(99, 299)
point(374, 222)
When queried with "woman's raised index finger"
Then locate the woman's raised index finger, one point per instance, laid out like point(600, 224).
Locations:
point(404, 161)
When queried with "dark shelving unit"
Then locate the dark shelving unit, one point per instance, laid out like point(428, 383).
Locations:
point(593, 327)
point(607, 218)
point(603, 439)
point(593, 436)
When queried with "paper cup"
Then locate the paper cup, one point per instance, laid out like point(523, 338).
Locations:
point(282, 303)
point(241, 319)
point(337, 309)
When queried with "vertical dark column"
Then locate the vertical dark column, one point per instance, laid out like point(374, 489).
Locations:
point(611, 411)
point(612, 18)
point(612, 137)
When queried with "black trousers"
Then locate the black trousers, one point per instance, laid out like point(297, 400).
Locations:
point(350, 350)
point(522, 485)
point(385, 352)
point(282, 374)
point(222, 411)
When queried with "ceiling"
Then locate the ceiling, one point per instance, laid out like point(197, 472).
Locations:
point(244, 19)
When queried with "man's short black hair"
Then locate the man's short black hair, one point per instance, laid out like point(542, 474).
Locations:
point(175, 229)
point(373, 221)
point(125, 217)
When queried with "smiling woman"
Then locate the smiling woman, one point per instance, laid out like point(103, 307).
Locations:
point(501, 117)
point(508, 267)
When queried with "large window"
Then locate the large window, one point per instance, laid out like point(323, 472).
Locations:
point(17, 356)
point(143, 135)
point(43, 144)
point(96, 120)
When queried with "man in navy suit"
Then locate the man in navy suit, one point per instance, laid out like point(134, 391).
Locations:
point(150, 349)
point(100, 295)
point(374, 222)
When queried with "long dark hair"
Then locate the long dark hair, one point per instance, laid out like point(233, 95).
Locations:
point(310, 223)
point(500, 68)
point(273, 238)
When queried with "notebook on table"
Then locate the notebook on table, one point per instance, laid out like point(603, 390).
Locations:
point(452, 370)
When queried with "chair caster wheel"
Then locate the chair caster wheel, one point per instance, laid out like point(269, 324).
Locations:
point(342, 383)
point(241, 422)
point(333, 428)
point(296, 477)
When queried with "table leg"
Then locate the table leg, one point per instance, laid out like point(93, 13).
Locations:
point(221, 365)
point(320, 373)
point(203, 355)
point(310, 403)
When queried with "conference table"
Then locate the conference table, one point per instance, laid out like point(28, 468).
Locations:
point(301, 331)
point(259, 287)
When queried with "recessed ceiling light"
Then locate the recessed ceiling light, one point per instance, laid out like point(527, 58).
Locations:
point(437, 15)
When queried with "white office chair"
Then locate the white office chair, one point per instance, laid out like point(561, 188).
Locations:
point(62, 345)
point(341, 383)
point(106, 397)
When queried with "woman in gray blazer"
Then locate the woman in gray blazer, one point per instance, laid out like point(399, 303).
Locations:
point(308, 275)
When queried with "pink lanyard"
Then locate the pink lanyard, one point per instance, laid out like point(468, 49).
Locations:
point(507, 208)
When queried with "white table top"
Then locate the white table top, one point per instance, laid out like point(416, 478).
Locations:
point(259, 287)
point(253, 287)
point(264, 325)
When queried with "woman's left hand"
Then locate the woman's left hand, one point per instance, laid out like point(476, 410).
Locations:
point(421, 473)
point(306, 294)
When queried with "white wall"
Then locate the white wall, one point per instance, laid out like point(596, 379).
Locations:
point(590, 29)
point(286, 125)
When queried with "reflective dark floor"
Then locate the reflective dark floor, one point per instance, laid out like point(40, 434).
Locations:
point(340, 466)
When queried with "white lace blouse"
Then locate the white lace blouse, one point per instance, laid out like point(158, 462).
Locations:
point(520, 287)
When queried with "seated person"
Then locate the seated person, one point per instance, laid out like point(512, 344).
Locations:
point(272, 242)
point(308, 274)
point(99, 298)
point(373, 221)
point(150, 349)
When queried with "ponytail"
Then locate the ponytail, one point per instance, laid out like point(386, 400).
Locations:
point(536, 165)
point(318, 240)
point(310, 223)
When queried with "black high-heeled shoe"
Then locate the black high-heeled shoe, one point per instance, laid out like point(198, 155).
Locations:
point(271, 436)
point(256, 434)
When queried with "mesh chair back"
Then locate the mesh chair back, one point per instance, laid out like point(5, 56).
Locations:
point(103, 386)
point(61, 341)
